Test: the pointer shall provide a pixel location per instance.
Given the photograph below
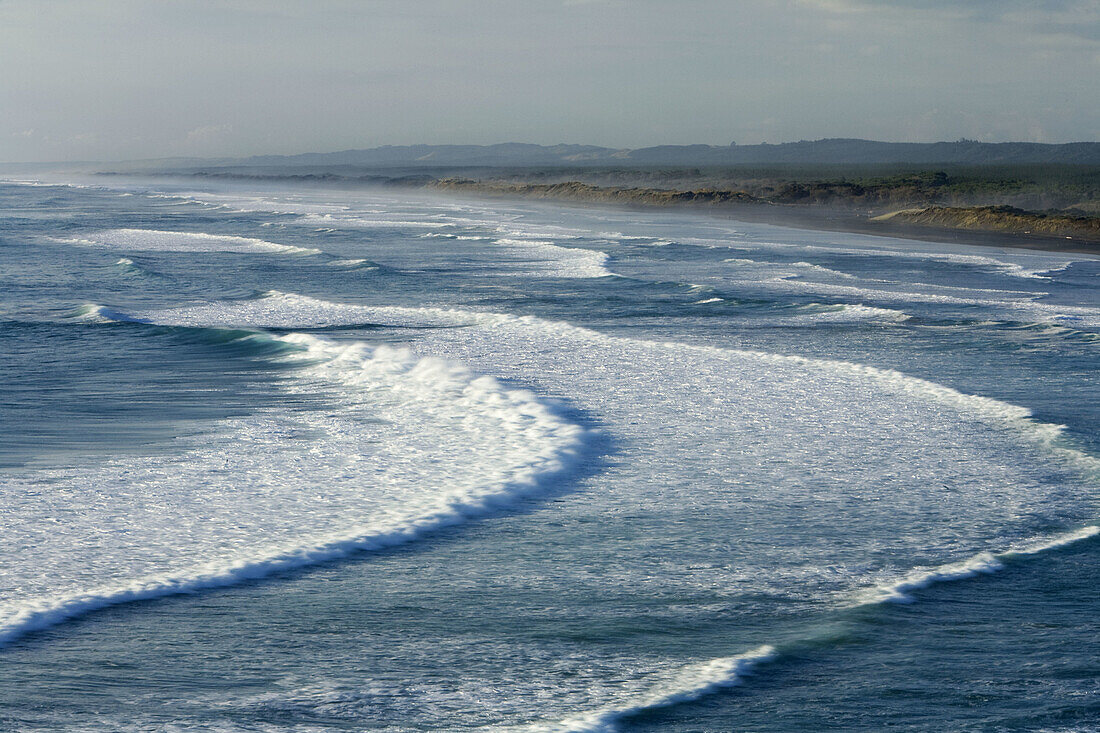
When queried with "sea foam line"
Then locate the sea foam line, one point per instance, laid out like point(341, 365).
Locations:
point(156, 240)
point(552, 446)
point(983, 563)
point(687, 684)
point(1045, 263)
point(566, 262)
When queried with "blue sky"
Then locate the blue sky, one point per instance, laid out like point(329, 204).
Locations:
point(111, 79)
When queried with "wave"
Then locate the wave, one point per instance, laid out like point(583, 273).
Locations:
point(696, 680)
point(155, 240)
point(289, 310)
point(929, 291)
point(1051, 313)
point(276, 309)
point(517, 230)
point(811, 314)
point(1042, 264)
point(353, 263)
point(845, 313)
point(481, 447)
point(346, 221)
point(564, 262)
point(1012, 269)
point(687, 684)
point(284, 309)
point(127, 267)
point(821, 270)
point(250, 204)
point(1047, 330)
point(456, 237)
point(982, 563)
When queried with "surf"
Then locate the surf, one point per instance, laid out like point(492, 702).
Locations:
point(480, 446)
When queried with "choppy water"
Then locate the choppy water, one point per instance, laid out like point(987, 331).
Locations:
point(313, 460)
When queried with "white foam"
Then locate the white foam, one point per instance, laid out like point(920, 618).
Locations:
point(352, 221)
point(683, 685)
point(287, 310)
point(456, 237)
point(546, 231)
point(1037, 546)
point(268, 204)
point(555, 261)
point(248, 500)
point(898, 591)
point(350, 262)
point(821, 270)
point(1008, 307)
point(1025, 265)
point(128, 268)
point(155, 240)
point(1013, 269)
point(845, 313)
point(983, 563)
point(802, 386)
point(275, 309)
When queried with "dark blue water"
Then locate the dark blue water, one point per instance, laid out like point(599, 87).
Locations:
point(724, 476)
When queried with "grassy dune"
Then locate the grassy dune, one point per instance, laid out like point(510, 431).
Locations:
point(999, 219)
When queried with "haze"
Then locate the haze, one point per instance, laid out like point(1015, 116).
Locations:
point(115, 79)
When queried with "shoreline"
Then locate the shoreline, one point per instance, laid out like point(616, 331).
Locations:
point(739, 206)
point(726, 205)
point(850, 224)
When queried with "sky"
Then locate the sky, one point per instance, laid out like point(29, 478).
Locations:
point(127, 79)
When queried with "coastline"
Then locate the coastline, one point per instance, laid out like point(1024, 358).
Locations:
point(740, 206)
point(844, 222)
point(729, 205)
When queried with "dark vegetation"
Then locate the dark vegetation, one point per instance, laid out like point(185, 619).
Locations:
point(871, 189)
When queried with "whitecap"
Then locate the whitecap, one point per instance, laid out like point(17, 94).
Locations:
point(155, 240)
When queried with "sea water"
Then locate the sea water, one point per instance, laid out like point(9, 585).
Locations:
point(305, 459)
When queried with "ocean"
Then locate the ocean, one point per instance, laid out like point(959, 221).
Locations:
point(302, 459)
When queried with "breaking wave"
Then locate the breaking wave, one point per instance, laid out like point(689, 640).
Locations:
point(691, 682)
point(451, 446)
point(555, 261)
point(155, 240)
point(686, 684)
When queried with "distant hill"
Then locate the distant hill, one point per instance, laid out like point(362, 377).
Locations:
point(815, 152)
